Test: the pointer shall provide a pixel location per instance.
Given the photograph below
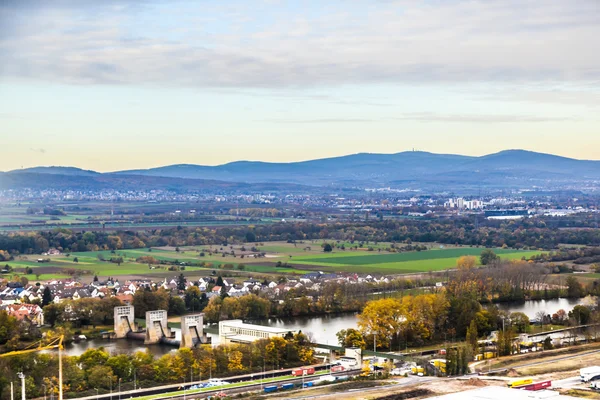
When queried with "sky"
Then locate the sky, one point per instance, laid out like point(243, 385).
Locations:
point(115, 84)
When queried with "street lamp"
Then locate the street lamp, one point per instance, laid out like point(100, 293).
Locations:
point(22, 377)
point(119, 388)
point(97, 392)
point(44, 391)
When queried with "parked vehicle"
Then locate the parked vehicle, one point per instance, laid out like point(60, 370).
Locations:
point(270, 389)
point(589, 374)
point(536, 386)
point(338, 368)
point(327, 378)
point(520, 382)
point(303, 371)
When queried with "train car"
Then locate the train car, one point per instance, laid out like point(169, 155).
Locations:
point(338, 368)
point(270, 389)
point(287, 386)
point(520, 382)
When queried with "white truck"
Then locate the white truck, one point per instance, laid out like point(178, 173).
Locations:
point(589, 374)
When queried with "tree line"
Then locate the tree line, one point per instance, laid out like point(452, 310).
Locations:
point(97, 371)
point(532, 233)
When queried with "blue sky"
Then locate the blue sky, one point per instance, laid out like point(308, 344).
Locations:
point(132, 84)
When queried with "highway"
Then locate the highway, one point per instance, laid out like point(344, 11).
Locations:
point(412, 380)
point(177, 391)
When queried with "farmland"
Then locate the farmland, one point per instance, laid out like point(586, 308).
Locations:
point(398, 263)
point(275, 258)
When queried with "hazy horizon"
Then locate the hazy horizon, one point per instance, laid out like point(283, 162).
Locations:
point(138, 84)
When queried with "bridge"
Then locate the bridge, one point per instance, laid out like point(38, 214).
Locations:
point(339, 349)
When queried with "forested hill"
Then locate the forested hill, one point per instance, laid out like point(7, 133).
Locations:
point(413, 170)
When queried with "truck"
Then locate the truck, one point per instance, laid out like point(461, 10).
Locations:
point(536, 386)
point(589, 373)
point(303, 371)
point(270, 389)
point(515, 383)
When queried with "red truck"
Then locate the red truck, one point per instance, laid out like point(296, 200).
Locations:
point(536, 386)
point(303, 371)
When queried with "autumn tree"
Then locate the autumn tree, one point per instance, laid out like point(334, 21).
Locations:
point(466, 263)
point(351, 338)
point(472, 335)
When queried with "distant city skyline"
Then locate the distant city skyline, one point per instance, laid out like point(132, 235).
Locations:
point(122, 84)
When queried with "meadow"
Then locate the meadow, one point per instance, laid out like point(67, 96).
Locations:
point(297, 259)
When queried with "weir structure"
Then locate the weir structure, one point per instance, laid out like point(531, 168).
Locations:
point(157, 331)
point(156, 327)
point(124, 321)
point(192, 331)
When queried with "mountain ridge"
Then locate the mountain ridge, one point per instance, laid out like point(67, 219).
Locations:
point(512, 168)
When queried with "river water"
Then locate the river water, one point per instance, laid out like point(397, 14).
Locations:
point(322, 328)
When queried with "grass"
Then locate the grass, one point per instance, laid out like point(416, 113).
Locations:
point(409, 256)
point(409, 262)
point(300, 262)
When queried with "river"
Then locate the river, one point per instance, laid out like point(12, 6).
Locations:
point(322, 328)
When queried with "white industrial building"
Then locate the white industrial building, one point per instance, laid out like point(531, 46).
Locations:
point(236, 331)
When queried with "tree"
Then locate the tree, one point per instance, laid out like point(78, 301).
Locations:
point(327, 248)
point(101, 377)
point(46, 296)
point(250, 237)
point(235, 361)
point(220, 281)
point(76, 260)
point(580, 315)
point(351, 338)
point(181, 281)
point(8, 326)
point(176, 306)
point(520, 321)
point(148, 300)
point(472, 335)
point(465, 263)
point(541, 316)
point(574, 288)
point(488, 257)
point(52, 313)
point(381, 320)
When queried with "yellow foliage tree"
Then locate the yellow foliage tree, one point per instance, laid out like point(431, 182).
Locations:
point(235, 361)
point(466, 263)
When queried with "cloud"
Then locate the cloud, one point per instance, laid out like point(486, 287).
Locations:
point(320, 120)
point(214, 45)
point(38, 150)
point(478, 118)
point(432, 117)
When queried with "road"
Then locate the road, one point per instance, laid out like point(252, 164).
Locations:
point(549, 361)
point(568, 383)
point(412, 380)
point(175, 391)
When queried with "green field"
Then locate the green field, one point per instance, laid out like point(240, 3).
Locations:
point(397, 263)
point(299, 259)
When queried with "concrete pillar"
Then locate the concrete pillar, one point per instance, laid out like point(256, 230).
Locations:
point(156, 326)
point(124, 320)
point(192, 330)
